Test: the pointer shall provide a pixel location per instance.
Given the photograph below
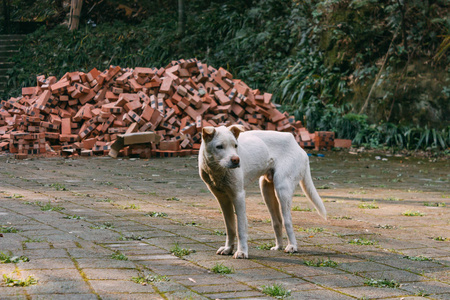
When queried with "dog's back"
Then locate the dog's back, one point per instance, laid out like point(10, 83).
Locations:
point(271, 150)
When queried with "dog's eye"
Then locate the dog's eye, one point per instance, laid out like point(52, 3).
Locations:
point(219, 147)
point(235, 146)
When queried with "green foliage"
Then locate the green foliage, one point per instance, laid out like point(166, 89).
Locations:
point(156, 214)
point(145, 280)
point(321, 263)
point(418, 258)
point(221, 269)
point(50, 207)
point(411, 213)
point(8, 258)
point(276, 290)
point(362, 241)
point(368, 206)
point(319, 58)
point(9, 281)
point(8, 229)
point(119, 256)
point(180, 252)
point(266, 246)
point(73, 217)
point(382, 283)
point(58, 186)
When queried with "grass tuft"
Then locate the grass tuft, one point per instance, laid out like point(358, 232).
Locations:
point(7, 258)
point(145, 280)
point(219, 268)
point(410, 213)
point(362, 241)
point(180, 252)
point(276, 290)
point(9, 281)
point(119, 256)
point(382, 283)
point(321, 263)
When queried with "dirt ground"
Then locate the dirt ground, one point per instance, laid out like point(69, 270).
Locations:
point(388, 219)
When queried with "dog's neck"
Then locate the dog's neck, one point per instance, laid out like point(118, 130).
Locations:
point(217, 175)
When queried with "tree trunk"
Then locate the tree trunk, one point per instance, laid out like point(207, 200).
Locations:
point(181, 18)
point(75, 12)
point(7, 24)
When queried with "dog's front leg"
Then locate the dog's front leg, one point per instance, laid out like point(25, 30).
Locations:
point(230, 223)
point(239, 206)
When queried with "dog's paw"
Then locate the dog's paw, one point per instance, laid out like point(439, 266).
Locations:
point(278, 247)
point(290, 249)
point(225, 250)
point(240, 255)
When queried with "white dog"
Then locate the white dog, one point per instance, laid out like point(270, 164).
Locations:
point(227, 164)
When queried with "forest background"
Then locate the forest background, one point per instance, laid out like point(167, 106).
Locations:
point(374, 71)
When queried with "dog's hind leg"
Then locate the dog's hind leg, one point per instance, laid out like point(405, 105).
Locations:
point(268, 194)
point(230, 223)
point(285, 191)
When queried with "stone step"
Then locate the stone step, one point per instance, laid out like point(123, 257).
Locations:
point(6, 65)
point(7, 53)
point(11, 41)
point(9, 47)
point(12, 36)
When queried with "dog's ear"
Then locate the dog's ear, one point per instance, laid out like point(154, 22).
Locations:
point(208, 133)
point(236, 130)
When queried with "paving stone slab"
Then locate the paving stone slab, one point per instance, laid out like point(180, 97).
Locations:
point(240, 294)
point(46, 263)
point(374, 292)
point(429, 287)
point(59, 287)
point(85, 263)
point(71, 249)
point(119, 286)
point(65, 296)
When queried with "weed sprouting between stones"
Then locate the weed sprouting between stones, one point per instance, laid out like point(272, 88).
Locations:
point(276, 290)
point(8, 258)
point(180, 252)
point(418, 258)
point(311, 229)
point(382, 283)
point(145, 280)
point(105, 225)
point(321, 263)
point(8, 229)
point(73, 217)
point(435, 204)
point(219, 233)
point(362, 241)
point(58, 186)
point(221, 269)
point(10, 282)
point(131, 238)
point(155, 214)
point(410, 213)
point(298, 208)
point(131, 206)
point(119, 256)
point(266, 246)
point(49, 207)
point(368, 206)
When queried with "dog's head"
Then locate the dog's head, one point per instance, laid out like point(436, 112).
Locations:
point(221, 145)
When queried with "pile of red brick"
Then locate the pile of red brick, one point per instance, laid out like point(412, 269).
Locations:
point(82, 113)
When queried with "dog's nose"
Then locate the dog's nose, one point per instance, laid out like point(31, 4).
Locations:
point(235, 160)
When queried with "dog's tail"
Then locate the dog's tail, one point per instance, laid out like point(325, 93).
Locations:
point(311, 193)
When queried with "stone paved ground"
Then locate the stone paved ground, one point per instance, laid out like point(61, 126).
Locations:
point(77, 220)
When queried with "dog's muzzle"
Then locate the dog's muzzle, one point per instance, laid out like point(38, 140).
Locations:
point(234, 162)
